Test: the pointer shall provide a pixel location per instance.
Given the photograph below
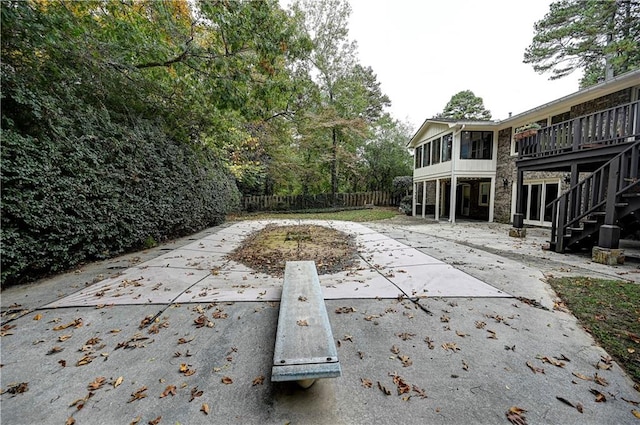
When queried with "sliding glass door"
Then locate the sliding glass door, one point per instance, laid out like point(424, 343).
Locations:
point(537, 196)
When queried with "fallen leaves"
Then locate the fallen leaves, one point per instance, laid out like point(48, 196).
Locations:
point(136, 341)
point(156, 421)
point(577, 406)
point(366, 383)
point(419, 391)
point(4, 330)
point(77, 323)
point(79, 403)
point(400, 383)
point(96, 384)
point(19, 388)
point(405, 336)
point(258, 380)
point(492, 334)
point(515, 415)
point(429, 342)
point(605, 363)
point(534, 369)
point(139, 394)
point(450, 346)
point(169, 391)
point(552, 361)
point(384, 389)
point(220, 314)
point(635, 413)
point(54, 350)
point(195, 392)
point(302, 322)
point(85, 360)
point(345, 310)
point(185, 370)
point(581, 376)
point(37, 316)
point(600, 398)
point(203, 321)
point(118, 382)
point(227, 380)
point(406, 361)
point(205, 408)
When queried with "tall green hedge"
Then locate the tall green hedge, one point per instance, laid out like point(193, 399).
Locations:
point(100, 189)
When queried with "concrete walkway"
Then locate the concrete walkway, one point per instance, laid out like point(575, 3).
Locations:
point(469, 338)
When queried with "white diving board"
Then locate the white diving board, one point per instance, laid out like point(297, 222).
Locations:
point(305, 349)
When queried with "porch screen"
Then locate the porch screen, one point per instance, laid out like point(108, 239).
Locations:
point(476, 144)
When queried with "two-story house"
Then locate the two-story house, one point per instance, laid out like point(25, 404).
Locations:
point(486, 170)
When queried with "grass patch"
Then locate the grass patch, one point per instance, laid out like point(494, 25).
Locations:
point(370, 214)
point(610, 311)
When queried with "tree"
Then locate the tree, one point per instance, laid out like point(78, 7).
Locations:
point(465, 106)
point(122, 119)
point(385, 154)
point(599, 37)
point(343, 98)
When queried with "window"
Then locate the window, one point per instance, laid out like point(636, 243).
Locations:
point(435, 151)
point(537, 196)
point(418, 157)
point(476, 145)
point(447, 141)
point(426, 155)
point(483, 198)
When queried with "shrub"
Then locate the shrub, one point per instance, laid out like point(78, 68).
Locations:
point(109, 190)
point(406, 205)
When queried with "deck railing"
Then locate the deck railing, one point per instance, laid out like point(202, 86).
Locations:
point(599, 192)
point(611, 126)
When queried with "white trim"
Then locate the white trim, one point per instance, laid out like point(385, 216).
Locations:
point(437, 200)
point(424, 198)
point(492, 195)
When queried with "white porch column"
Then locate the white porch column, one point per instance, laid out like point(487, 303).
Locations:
point(413, 201)
point(437, 199)
point(452, 200)
point(424, 198)
point(492, 192)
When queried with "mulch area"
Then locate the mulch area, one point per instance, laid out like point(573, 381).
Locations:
point(268, 249)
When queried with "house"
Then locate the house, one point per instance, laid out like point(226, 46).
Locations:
point(551, 176)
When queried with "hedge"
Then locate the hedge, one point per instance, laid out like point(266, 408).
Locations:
point(102, 190)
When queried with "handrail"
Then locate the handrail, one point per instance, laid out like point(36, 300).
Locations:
point(607, 127)
point(594, 192)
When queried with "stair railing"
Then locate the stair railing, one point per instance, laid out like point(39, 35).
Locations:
point(598, 192)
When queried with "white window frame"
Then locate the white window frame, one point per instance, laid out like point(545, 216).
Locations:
point(486, 185)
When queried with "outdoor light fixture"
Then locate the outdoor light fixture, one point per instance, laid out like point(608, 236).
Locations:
point(567, 178)
point(505, 183)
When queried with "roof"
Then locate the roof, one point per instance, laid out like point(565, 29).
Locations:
point(619, 82)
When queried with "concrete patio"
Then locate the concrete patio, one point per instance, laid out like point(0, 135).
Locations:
point(460, 314)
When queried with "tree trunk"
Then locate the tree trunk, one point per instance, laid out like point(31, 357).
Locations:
point(334, 165)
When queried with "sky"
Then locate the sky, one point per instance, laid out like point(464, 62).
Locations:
point(425, 51)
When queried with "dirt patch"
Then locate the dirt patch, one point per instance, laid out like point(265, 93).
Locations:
point(268, 249)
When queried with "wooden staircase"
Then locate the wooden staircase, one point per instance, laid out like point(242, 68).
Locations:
point(608, 196)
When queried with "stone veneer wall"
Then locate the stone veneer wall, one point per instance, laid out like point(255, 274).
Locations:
point(604, 102)
point(505, 169)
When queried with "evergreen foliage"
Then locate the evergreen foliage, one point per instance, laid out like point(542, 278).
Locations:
point(465, 105)
point(587, 35)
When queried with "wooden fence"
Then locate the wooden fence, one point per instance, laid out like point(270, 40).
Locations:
point(306, 202)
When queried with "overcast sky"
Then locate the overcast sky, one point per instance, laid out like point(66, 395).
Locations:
point(425, 51)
